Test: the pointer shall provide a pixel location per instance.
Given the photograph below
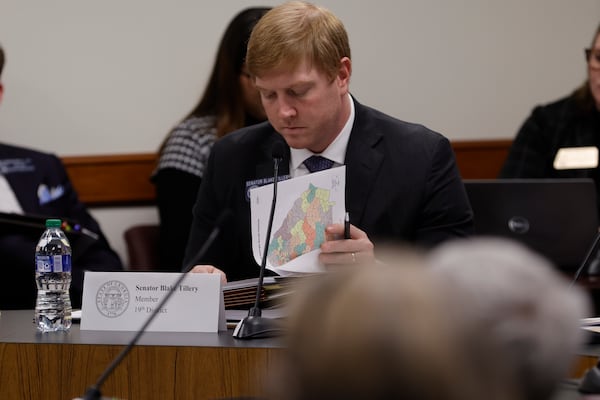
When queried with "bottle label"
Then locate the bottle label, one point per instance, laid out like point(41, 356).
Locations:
point(56, 263)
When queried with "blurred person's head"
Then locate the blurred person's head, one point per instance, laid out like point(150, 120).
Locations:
point(527, 311)
point(593, 59)
point(230, 94)
point(375, 333)
point(299, 57)
point(588, 94)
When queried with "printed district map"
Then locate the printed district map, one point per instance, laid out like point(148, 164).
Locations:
point(303, 228)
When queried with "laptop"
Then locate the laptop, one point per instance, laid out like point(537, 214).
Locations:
point(557, 218)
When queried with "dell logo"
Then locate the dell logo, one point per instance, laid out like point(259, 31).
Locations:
point(518, 225)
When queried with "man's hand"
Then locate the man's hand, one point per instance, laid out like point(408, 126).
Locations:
point(338, 251)
point(209, 269)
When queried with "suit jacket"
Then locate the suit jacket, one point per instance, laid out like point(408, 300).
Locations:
point(402, 185)
point(42, 187)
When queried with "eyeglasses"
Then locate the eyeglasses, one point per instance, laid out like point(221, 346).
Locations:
point(592, 56)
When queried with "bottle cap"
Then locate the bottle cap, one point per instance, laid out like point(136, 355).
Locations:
point(53, 223)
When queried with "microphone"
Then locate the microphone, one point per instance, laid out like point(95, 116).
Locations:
point(93, 392)
point(254, 325)
point(590, 383)
point(591, 261)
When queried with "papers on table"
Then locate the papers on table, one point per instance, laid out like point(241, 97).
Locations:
point(591, 324)
point(590, 321)
point(242, 294)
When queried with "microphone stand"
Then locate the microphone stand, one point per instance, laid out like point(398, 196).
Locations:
point(93, 392)
point(590, 383)
point(255, 325)
point(586, 264)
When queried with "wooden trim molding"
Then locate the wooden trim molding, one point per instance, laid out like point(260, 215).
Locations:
point(481, 159)
point(112, 180)
point(124, 179)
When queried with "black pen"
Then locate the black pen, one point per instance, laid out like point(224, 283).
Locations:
point(347, 226)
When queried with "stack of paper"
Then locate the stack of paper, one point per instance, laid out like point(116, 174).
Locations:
point(242, 294)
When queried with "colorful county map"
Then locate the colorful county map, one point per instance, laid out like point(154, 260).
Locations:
point(303, 228)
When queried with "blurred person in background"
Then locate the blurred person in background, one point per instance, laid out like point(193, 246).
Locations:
point(561, 139)
point(230, 101)
point(36, 184)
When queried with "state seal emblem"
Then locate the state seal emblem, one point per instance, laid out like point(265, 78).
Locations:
point(112, 299)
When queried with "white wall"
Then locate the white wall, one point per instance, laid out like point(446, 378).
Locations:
point(90, 77)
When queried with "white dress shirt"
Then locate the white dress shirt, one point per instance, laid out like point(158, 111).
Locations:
point(336, 151)
point(8, 200)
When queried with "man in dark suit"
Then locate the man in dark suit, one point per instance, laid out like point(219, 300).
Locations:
point(36, 184)
point(402, 183)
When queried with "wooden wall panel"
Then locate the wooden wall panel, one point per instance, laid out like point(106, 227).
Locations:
point(113, 180)
point(481, 159)
point(123, 180)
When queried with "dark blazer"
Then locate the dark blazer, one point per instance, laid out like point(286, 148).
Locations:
point(42, 187)
point(563, 123)
point(402, 184)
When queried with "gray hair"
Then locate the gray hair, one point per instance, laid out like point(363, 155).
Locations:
point(528, 311)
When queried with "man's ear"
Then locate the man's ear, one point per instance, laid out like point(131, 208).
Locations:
point(345, 72)
point(1, 91)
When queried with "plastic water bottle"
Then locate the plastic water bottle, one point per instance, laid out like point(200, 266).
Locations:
point(53, 279)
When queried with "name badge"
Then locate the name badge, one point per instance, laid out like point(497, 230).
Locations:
point(576, 158)
point(262, 182)
point(123, 301)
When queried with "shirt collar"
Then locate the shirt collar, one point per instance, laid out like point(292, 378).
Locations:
point(8, 200)
point(336, 151)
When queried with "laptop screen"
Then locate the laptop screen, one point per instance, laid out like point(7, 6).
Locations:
point(557, 218)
